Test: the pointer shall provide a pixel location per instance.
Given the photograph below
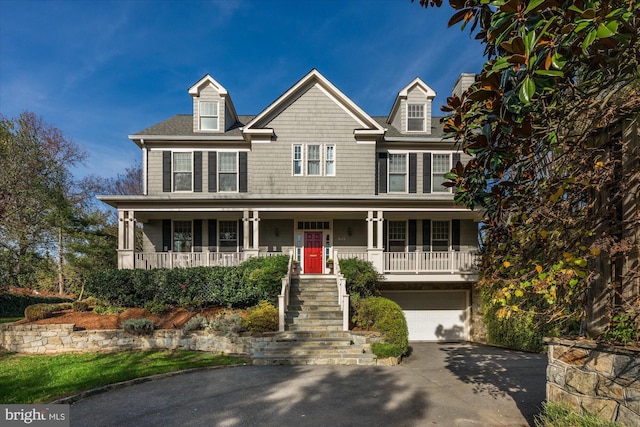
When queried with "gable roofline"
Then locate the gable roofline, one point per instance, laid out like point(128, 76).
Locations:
point(417, 82)
point(205, 80)
point(310, 79)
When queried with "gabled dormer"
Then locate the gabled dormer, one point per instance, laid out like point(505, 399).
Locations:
point(411, 111)
point(213, 110)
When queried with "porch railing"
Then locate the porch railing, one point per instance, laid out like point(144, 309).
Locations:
point(343, 296)
point(149, 260)
point(430, 262)
point(283, 298)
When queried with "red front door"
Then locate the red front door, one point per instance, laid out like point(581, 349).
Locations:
point(313, 252)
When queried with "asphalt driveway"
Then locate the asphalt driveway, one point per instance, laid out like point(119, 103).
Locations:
point(438, 384)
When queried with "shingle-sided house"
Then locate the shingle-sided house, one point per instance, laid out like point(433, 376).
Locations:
point(314, 176)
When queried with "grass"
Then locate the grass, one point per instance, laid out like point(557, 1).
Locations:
point(10, 319)
point(556, 415)
point(44, 378)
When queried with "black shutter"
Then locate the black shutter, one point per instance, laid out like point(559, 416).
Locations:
point(382, 173)
point(166, 171)
point(197, 235)
point(213, 172)
point(240, 241)
point(242, 171)
point(166, 235)
point(456, 159)
point(455, 234)
point(413, 166)
point(213, 234)
point(413, 230)
point(197, 171)
point(426, 173)
point(426, 235)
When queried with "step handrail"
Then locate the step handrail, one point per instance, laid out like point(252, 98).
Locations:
point(283, 298)
point(343, 296)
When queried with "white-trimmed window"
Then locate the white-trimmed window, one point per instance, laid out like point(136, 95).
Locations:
point(208, 115)
point(228, 236)
point(439, 236)
point(330, 160)
point(415, 118)
point(182, 236)
point(397, 173)
point(313, 160)
point(441, 166)
point(227, 171)
point(182, 171)
point(297, 160)
point(397, 236)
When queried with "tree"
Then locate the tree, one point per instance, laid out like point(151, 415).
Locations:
point(35, 180)
point(545, 123)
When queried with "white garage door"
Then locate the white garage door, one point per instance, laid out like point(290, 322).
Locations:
point(433, 315)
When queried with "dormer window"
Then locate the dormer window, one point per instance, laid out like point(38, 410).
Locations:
point(208, 115)
point(415, 118)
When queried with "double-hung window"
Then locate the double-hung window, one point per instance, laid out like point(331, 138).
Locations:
point(441, 166)
point(330, 160)
point(227, 172)
point(397, 236)
point(228, 236)
point(440, 236)
point(397, 173)
point(182, 236)
point(313, 160)
point(297, 160)
point(415, 118)
point(208, 115)
point(182, 171)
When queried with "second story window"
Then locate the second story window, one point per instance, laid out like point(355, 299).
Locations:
point(182, 172)
point(398, 173)
point(441, 165)
point(297, 159)
point(208, 115)
point(330, 160)
point(228, 172)
point(415, 118)
point(313, 160)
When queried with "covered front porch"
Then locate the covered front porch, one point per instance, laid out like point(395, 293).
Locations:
point(397, 243)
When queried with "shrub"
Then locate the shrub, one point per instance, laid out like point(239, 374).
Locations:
point(62, 306)
point(12, 305)
point(196, 323)
point(91, 301)
point(225, 321)
point(242, 286)
point(383, 349)
point(39, 311)
point(138, 326)
point(156, 307)
point(384, 316)
point(262, 318)
point(362, 277)
point(107, 309)
point(80, 306)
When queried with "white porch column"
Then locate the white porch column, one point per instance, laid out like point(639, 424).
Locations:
point(126, 239)
point(256, 231)
point(251, 233)
point(375, 249)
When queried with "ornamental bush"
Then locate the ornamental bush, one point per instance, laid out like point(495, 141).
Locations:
point(384, 316)
point(39, 311)
point(362, 277)
point(138, 326)
point(12, 305)
point(243, 286)
point(261, 318)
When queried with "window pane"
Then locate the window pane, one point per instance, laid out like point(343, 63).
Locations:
point(182, 181)
point(209, 123)
point(313, 168)
point(227, 182)
point(397, 163)
point(330, 160)
point(397, 236)
point(440, 235)
point(416, 111)
point(415, 117)
point(182, 162)
point(397, 183)
point(441, 163)
point(228, 162)
point(313, 152)
point(415, 125)
point(208, 108)
point(228, 235)
point(182, 236)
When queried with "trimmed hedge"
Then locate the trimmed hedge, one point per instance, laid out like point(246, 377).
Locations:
point(256, 279)
point(384, 316)
point(362, 277)
point(12, 305)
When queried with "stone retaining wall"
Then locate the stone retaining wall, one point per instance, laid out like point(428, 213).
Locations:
point(62, 338)
point(600, 379)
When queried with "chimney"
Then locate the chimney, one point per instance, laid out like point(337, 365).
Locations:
point(465, 80)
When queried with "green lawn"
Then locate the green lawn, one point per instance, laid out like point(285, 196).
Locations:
point(44, 378)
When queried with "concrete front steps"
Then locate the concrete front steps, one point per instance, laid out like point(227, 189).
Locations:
point(313, 330)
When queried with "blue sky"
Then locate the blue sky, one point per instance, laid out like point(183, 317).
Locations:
point(100, 70)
